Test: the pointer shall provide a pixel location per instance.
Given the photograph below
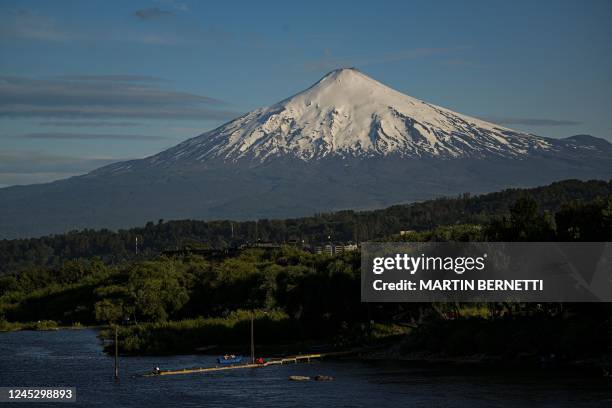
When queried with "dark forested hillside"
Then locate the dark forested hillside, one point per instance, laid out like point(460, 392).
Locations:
point(118, 246)
point(180, 301)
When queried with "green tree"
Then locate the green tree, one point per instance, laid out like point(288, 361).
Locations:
point(109, 311)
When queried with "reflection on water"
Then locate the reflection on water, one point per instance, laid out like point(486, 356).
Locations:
point(75, 358)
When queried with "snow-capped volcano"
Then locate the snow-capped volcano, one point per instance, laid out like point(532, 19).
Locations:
point(347, 113)
point(347, 142)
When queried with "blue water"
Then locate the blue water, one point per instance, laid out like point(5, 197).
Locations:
point(74, 358)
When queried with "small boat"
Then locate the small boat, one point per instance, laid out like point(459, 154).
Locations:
point(229, 359)
point(298, 378)
point(323, 378)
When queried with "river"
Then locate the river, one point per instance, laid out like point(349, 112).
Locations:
point(74, 358)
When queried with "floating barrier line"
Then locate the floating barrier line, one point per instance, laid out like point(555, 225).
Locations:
point(276, 361)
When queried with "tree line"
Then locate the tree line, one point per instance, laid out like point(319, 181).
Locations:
point(115, 247)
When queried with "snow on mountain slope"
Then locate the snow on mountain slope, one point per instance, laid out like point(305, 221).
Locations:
point(347, 142)
point(350, 114)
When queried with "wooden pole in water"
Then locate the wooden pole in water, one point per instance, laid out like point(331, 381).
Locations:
point(252, 338)
point(116, 354)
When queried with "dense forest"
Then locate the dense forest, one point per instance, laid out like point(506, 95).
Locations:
point(182, 302)
point(116, 247)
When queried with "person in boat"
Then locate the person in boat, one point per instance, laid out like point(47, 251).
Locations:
point(156, 370)
point(260, 360)
point(226, 357)
point(232, 356)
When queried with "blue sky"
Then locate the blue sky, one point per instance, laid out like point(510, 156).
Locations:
point(86, 83)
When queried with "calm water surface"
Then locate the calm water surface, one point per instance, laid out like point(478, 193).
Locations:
point(75, 358)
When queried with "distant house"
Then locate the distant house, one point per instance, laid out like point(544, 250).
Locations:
point(338, 249)
point(335, 249)
point(327, 249)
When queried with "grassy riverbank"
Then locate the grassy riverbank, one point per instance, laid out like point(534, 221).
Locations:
point(274, 330)
point(41, 325)
point(189, 335)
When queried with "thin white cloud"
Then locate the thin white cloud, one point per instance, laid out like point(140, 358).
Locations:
point(91, 136)
point(110, 78)
point(132, 112)
point(89, 124)
point(34, 161)
point(184, 129)
point(506, 120)
point(82, 98)
point(27, 166)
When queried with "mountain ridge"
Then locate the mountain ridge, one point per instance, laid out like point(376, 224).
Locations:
point(348, 114)
point(346, 142)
